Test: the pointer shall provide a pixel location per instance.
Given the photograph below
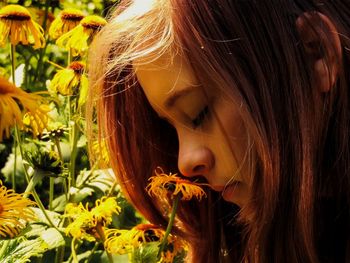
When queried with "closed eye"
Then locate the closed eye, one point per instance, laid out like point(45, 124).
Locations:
point(196, 122)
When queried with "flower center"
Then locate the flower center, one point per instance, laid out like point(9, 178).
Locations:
point(71, 16)
point(93, 22)
point(15, 12)
point(16, 16)
point(77, 66)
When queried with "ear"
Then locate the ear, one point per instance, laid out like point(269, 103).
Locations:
point(322, 45)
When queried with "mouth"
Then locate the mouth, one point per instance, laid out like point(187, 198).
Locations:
point(222, 188)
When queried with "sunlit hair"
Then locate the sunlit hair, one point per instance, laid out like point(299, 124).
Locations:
point(299, 208)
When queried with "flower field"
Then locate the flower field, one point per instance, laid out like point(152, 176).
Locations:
point(56, 205)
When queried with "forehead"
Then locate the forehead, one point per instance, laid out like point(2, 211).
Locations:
point(164, 76)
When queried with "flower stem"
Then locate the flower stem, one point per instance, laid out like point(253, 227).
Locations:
point(74, 151)
point(103, 238)
point(15, 142)
point(13, 63)
point(92, 253)
point(170, 225)
point(51, 193)
point(74, 253)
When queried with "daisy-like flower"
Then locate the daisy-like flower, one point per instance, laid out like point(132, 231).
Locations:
point(121, 241)
point(65, 21)
point(36, 123)
point(14, 212)
point(12, 99)
point(54, 131)
point(161, 184)
point(48, 162)
point(70, 81)
point(17, 24)
point(85, 221)
point(83, 225)
point(104, 209)
point(78, 39)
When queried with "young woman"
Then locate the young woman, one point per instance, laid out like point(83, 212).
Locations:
point(249, 96)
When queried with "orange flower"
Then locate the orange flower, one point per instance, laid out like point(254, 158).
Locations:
point(161, 184)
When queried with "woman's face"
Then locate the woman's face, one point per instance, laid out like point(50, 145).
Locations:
point(213, 141)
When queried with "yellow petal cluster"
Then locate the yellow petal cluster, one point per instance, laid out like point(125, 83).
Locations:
point(121, 241)
point(85, 221)
point(70, 80)
point(161, 184)
point(77, 40)
point(12, 100)
point(14, 212)
point(83, 224)
point(17, 24)
point(65, 21)
point(36, 122)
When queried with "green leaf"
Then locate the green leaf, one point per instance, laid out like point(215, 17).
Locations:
point(59, 203)
point(20, 250)
point(146, 253)
point(100, 180)
point(55, 217)
point(52, 238)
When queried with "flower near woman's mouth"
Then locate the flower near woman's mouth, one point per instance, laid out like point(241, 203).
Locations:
point(14, 212)
point(12, 99)
point(78, 39)
point(161, 184)
point(17, 24)
point(65, 21)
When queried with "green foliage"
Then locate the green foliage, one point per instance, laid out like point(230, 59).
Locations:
point(51, 166)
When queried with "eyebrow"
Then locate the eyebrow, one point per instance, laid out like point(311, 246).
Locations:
point(170, 101)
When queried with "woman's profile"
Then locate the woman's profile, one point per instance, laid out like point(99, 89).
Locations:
point(251, 97)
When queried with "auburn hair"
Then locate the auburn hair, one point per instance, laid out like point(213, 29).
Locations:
point(300, 205)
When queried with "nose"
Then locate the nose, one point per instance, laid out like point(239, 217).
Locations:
point(196, 161)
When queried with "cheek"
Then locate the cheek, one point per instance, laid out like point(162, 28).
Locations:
point(233, 131)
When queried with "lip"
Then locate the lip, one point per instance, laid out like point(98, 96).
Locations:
point(220, 188)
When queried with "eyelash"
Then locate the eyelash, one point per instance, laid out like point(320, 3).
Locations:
point(196, 122)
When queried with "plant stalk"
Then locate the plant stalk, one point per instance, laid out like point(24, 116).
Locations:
point(15, 142)
point(170, 225)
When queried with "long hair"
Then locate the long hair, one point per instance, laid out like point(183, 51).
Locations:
point(299, 210)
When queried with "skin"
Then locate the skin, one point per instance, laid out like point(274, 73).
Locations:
point(212, 143)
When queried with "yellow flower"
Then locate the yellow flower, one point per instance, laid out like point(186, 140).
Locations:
point(70, 80)
point(83, 225)
point(39, 14)
point(104, 209)
point(14, 212)
point(78, 39)
point(17, 24)
point(66, 20)
point(121, 241)
point(161, 184)
point(85, 222)
point(12, 99)
point(36, 122)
